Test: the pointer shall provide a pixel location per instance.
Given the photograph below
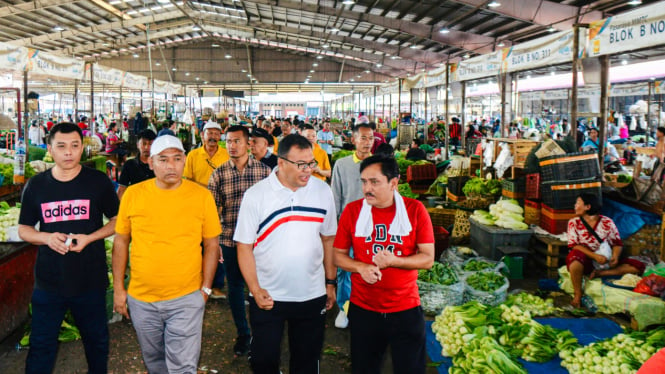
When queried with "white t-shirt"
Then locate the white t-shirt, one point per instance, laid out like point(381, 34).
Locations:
point(285, 227)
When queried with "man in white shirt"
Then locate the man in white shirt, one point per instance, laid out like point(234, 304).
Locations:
point(286, 226)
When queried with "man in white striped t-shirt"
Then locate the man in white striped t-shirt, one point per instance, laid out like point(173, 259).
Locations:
point(285, 230)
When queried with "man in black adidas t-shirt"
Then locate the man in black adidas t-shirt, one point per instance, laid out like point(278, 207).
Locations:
point(137, 170)
point(69, 202)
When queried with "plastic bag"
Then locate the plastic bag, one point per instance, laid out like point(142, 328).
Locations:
point(457, 255)
point(435, 297)
point(606, 251)
point(653, 285)
point(503, 161)
point(658, 269)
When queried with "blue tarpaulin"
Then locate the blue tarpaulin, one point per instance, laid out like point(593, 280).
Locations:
point(628, 220)
point(586, 330)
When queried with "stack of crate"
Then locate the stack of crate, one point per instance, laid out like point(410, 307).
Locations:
point(532, 202)
point(563, 178)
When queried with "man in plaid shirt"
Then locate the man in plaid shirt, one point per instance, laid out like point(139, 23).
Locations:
point(228, 184)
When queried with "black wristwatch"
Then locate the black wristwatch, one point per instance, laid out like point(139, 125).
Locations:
point(331, 282)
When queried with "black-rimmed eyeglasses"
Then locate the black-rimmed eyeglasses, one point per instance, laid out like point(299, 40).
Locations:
point(301, 165)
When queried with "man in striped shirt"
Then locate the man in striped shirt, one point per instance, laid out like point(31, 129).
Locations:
point(286, 226)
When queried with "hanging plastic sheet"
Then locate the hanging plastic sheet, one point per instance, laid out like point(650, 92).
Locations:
point(628, 220)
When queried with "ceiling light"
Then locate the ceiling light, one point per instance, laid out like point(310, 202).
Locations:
point(58, 28)
point(466, 55)
point(158, 63)
point(135, 55)
point(205, 82)
point(348, 2)
point(366, 71)
point(501, 44)
point(196, 28)
point(106, 44)
point(552, 73)
point(551, 29)
point(414, 46)
point(315, 64)
point(494, 4)
point(352, 80)
point(325, 46)
point(379, 65)
point(624, 62)
point(228, 56)
point(394, 57)
point(187, 74)
point(174, 69)
point(319, 57)
point(306, 82)
point(444, 30)
point(311, 71)
point(334, 29)
point(163, 1)
point(249, 75)
point(197, 78)
point(215, 45)
point(243, 70)
point(635, 2)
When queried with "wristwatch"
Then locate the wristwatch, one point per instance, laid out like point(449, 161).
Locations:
point(331, 282)
point(206, 290)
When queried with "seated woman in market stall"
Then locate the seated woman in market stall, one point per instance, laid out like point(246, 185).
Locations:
point(588, 255)
point(592, 144)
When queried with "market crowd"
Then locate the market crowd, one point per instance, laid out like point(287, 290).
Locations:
point(265, 212)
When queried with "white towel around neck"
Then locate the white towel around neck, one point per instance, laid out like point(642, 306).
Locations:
point(400, 225)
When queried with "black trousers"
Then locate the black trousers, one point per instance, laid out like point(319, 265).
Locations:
point(372, 332)
point(306, 323)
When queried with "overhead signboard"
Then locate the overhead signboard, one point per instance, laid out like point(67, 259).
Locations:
point(13, 58)
point(477, 67)
point(43, 63)
point(641, 28)
point(549, 50)
point(136, 82)
point(105, 75)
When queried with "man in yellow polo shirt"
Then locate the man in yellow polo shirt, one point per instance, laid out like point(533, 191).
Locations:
point(323, 169)
point(202, 161)
point(166, 219)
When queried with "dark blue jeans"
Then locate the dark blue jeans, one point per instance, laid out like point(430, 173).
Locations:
point(236, 284)
point(48, 311)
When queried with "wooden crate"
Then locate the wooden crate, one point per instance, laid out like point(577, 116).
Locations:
point(519, 148)
point(549, 254)
point(646, 240)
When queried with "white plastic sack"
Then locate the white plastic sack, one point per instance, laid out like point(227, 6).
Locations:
point(606, 251)
point(633, 123)
point(503, 161)
point(488, 152)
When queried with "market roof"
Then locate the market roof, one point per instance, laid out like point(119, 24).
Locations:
point(239, 42)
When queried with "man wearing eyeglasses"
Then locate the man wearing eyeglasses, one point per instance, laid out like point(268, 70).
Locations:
point(228, 183)
point(284, 235)
point(200, 164)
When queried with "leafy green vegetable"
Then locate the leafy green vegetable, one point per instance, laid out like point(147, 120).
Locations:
point(477, 265)
point(405, 190)
point(341, 154)
point(486, 281)
point(439, 274)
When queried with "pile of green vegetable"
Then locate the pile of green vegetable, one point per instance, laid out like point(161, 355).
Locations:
point(405, 190)
point(476, 264)
point(533, 304)
point(438, 188)
point(68, 330)
point(506, 213)
point(486, 281)
point(508, 330)
point(439, 274)
point(341, 154)
point(623, 353)
point(8, 218)
point(482, 187)
point(7, 171)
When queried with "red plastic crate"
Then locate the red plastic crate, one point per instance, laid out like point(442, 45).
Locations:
point(533, 186)
point(553, 226)
point(421, 172)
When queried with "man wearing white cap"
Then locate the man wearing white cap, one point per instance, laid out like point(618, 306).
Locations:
point(202, 161)
point(166, 219)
